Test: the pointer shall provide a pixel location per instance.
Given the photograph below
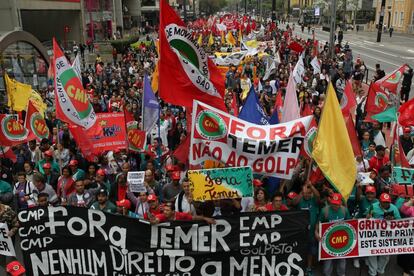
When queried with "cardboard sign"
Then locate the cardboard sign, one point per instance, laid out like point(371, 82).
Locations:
point(222, 183)
point(136, 182)
point(6, 243)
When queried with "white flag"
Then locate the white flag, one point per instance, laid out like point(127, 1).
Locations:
point(76, 66)
point(299, 70)
point(290, 110)
point(379, 139)
point(316, 66)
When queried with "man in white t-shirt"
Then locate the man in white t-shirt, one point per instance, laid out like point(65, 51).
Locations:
point(184, 200)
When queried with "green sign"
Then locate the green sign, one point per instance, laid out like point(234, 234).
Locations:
point(212, 184)
point(403, 175)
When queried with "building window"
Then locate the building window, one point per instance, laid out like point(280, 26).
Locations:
point(395, 18)
point(401, 18)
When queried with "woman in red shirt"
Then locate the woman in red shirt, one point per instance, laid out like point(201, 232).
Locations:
point(65, 186)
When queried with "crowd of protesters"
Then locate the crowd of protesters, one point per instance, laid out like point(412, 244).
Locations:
point(54, 172)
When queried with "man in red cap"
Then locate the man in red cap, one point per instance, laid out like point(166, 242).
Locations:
point(154, 207)
point(172, 189)
point(51, 177)
point(335, 211)
point(48, 159)
point(406, 140)
point(77, 174)
point(383, 209)
point(365, 201)
point(123, 207)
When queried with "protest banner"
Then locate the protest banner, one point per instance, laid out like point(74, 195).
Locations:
point(136, 182)
point(272, 150)
point(6, 243)
point(403, 175)
point(57, 240)
point(212, 184)
point(113, 136)
point(366, 237)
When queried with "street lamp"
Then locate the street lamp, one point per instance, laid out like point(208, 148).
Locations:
point(381, 20)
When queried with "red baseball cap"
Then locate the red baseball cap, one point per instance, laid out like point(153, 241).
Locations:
point(175, 175)
point(169, 168)
point(292, 195)
point(46, 166)
point(257, 182)
point(336, 199)
point(124, 203)
point(73, 163)
point(407, 130)
point(101, 172)
point(385, 197)
point(49, 153)
point(370, 189)
point(15, 268)
point(152, 197)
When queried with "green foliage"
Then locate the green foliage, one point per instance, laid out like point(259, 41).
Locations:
point(212, 6)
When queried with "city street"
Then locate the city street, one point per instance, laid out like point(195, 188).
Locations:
point(391, 52)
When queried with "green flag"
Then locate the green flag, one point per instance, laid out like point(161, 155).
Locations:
point(389, 115)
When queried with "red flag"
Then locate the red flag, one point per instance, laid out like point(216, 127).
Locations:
point(82, 142)
point(348, 100)
point(72, 102)
point(406, 117)
point(294, 46)
point(315, 48)
point(391, 81)
point(113, 136)
point(316, 174)
point(377, 100)
point(7, 152)
point(279, 104)
point(136, 139)
point(185, 71)
point(356, 147)
point(35, 123)
point(12, 132)
point(129, 117)
point(401, 158)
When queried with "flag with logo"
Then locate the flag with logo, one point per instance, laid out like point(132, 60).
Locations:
point(72, 102)
point(18, 93)
point(185, 71)
point(150, 107)
point(252, 111)
point(348, 100)
point(378, 100)
point(35, 123)
point(136, 137)
point(332, 149)
point(12, 132)
point(391, 81)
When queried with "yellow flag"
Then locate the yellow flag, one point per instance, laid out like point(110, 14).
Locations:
point(230, 38)
point(154, 79)
point(37, 101)
point(332, 149)
point(222, 38)
point(252, 43)
point(200, 40)
point(17, 93)
point(210, 40)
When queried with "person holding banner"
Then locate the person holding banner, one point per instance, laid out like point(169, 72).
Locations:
point(335, 211)
point(169, 214)
point(9, 217)
point(383, 209)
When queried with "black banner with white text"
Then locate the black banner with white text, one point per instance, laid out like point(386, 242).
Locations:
point(79, 241)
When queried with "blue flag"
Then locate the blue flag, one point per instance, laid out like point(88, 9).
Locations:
point(274, 119)
point(150, 106)
point(252, 111)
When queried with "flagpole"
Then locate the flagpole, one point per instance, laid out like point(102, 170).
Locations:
point(159, 136)
point(58, 142)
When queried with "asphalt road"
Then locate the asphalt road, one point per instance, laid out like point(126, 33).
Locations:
point(391, 52)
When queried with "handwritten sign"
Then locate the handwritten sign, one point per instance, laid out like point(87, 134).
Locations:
point(221, 183)
point(403, 175)
point(6, 244)
point(136, 182)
